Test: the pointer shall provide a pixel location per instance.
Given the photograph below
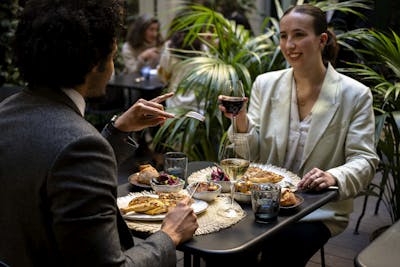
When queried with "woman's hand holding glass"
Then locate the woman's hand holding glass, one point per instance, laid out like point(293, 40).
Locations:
point(233, 103)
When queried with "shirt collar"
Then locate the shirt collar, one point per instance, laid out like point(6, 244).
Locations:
point(77, 98)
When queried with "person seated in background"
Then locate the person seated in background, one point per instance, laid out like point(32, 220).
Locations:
point(143, 44)
point(315, 122)
point(58, 173)
point(240, 19)
point(169, 71)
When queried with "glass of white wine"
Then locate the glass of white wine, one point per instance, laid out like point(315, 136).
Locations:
point(234, 160)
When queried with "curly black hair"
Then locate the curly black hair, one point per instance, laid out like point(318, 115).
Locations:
point(58, 42)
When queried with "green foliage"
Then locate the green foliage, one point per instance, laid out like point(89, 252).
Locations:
point(382, 74)
point(231, 53)
point(8, 24)
point(227, 7)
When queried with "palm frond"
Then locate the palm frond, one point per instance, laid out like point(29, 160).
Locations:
point(350, 6)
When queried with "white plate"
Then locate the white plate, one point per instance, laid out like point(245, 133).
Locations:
point(202, 175)
point(198, 206)
point(289, 180)
point(133, 180)
point(299, 201)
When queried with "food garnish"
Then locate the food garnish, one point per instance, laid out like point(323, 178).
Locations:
point(166, 179)
point(204, 186)
point(218, 175)
point(244, 187)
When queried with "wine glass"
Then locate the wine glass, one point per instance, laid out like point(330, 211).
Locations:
point(234, 160)
point(232, 99)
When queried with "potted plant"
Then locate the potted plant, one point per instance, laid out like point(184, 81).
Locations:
point(232, 53)
point(382, 74)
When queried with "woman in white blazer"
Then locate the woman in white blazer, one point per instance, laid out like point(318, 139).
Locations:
point(315, 122)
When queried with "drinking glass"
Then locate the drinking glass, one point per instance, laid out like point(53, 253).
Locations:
point(175, 163)
point(234, 160)
point(232, 99)
point(265, 202)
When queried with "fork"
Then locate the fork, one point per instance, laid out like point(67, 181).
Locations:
point(190, 114)
point(194, 190)
point(195, 115)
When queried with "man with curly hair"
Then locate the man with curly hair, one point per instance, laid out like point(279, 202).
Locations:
point(58, 174)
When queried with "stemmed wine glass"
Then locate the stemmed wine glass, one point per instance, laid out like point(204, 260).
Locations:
point(234, 160)
point(232, 99)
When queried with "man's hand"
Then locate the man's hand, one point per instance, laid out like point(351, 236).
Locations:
point(144, 114)
point(180, 223)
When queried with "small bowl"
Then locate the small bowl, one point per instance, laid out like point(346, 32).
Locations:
point(204, 195)
point(242, 197)
point(225, 186)
point(168, 188)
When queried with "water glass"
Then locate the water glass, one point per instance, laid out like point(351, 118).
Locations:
point(175, 163)
point(265, 202)
point(145, 72)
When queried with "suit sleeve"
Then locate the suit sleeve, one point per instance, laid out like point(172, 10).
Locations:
point(361, 159)
point(122, 143)
point(81, 188)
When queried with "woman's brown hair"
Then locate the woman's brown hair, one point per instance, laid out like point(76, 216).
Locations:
point(136, 33)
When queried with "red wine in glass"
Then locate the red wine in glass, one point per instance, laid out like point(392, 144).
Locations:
point(233, 104)
point(233, 99)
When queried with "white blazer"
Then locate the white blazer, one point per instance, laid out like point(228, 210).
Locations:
point(340, 139)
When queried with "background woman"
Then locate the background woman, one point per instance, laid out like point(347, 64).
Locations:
point(143, 44)
point(315, 122)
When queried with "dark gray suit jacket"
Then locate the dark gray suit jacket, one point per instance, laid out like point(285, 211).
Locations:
point(58, 189)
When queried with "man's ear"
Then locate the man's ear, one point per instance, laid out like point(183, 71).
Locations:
point(100, 67)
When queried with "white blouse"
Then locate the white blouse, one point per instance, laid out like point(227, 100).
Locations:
point(298, 131)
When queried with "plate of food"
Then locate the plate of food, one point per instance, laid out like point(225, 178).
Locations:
point(256, 173)
point(143, 178)
point(290, 200)
point(266, 173)
point(153, 207)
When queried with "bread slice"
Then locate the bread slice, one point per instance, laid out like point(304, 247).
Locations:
point(147, 172)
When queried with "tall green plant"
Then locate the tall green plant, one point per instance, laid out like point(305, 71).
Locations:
point(231, 53)
point(382, 74)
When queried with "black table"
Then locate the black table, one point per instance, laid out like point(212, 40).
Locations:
point(246, 235)
point(146, 88)
point(384, 251)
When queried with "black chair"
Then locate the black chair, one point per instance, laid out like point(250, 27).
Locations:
point(322, 252)
point(377, 189)
point(372, 187)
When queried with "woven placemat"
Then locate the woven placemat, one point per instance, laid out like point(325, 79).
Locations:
point(209, 221)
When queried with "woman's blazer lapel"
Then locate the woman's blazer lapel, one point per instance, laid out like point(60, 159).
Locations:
point(280, 108)
point(323, 111)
